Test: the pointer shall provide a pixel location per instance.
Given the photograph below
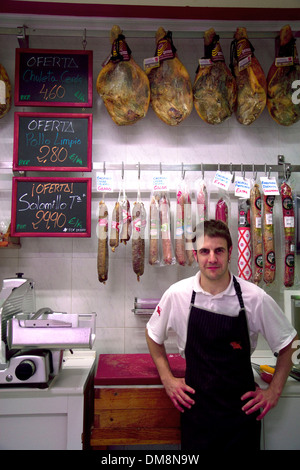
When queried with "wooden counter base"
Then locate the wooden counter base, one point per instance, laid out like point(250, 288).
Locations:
point(134, 416)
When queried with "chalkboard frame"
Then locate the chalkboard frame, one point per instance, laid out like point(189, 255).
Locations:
point(16, 181)
point(34, 102)
point(17, 121)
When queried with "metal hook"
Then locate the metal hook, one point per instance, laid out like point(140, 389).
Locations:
point(232, 173)
point(84, 42)
point(182, 172)
point(242, 170)
point(139, 170)
point(122, 170)
point(104, 169)
point(202, 171)
point(254, 172)
point(160, 168)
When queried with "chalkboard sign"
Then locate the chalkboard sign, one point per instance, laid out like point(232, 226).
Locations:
point(45, 141)
point(51, 207)
point(45, 77)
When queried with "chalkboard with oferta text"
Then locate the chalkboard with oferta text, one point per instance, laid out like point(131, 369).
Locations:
point(51, 207)
point(45, 77)
point(48, 141)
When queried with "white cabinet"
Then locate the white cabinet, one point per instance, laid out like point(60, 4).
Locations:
point(56, 418)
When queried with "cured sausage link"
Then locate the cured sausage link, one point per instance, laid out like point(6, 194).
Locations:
point(257, 245)
point(268, 239)
point(289, 234)
point(102, 258)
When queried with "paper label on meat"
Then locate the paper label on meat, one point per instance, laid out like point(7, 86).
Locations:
point(2, 92)
point(164, 50)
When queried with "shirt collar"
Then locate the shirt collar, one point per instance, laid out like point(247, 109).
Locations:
point(230, 290)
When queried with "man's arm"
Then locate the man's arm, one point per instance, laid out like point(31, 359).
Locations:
point(176, 388)
point(267, 399)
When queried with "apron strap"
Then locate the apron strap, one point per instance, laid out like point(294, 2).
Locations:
point(238, 292)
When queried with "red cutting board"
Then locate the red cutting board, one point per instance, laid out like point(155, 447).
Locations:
point(133, 369)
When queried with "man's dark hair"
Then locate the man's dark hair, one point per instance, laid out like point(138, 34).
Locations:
point(213, 229)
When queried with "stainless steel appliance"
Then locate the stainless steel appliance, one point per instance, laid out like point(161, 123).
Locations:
point(33, 342)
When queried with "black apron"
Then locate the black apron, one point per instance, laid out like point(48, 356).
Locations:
point(218, 367)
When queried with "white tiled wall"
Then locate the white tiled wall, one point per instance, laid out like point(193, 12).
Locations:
point(65, 270)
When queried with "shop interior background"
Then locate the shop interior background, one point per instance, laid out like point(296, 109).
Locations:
point(64, 269)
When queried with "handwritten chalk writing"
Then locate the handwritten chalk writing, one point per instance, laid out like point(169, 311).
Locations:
point(56, 218)
point(68, 142)
point(49, 188)
point(52, 61)
point(53, 93)
point(51, 125)
point(35, 141)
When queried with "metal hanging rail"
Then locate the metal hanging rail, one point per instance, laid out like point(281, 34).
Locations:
point(103, 33)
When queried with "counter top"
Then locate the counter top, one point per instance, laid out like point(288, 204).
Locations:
point(139, 370)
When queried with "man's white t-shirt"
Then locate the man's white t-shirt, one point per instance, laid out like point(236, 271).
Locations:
point(263, 314)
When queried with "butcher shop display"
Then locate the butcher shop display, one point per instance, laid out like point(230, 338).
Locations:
point(5, 92)
point(244, 240)
point(289, 233)
point(171, 92)
point(268, 239)
point(214, 86)
point(256, 233)
point(102, 234)
point(284, 71)
point(138, 238)
point(250, 79)
point(122, 84)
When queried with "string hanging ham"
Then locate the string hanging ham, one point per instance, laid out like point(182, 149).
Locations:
point(284, 72)
point(171, 92)
point(214, 87)
point(250, 79)
point(122, 84)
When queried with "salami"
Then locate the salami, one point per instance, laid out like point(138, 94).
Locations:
point(244, 240)
point(102, 258)
point(154, 229)
point(138, 238)
point(256, 231)
point(126, 221)
point(222, 211)
point(284, 71)
point(250, 79)
point(164, 208)
point(202, 202)
point(115, 227)
point(188, 230)
point(214, 86)
point(289, 234)
point(179, 229)
point(122, 84)
point(268, 240)
point(171, 93)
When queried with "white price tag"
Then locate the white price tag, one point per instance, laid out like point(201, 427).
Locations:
point(160, 183)
point(104, 183)
point(222, 179)
point(242, 187)
point(269, 186)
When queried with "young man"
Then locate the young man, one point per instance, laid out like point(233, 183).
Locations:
point(217, 319)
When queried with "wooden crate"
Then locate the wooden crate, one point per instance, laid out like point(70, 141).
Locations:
point(134, 416)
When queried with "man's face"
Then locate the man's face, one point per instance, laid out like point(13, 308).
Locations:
point(213, 257)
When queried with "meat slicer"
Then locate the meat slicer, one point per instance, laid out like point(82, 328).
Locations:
point(33, 342)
